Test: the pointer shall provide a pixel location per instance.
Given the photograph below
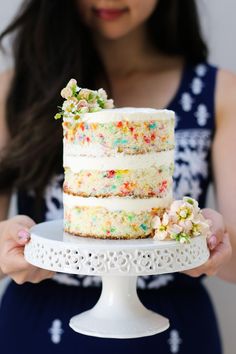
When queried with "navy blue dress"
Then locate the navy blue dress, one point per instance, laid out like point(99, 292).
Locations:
point(34, 317)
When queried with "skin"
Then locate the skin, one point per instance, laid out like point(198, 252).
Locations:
point(148, 78)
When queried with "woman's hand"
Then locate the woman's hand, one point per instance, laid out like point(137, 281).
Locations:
point(14, 234)
point(219, 246)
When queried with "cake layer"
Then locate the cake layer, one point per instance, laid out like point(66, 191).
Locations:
point(121, 130)
point(102, 223)
point(154, 181)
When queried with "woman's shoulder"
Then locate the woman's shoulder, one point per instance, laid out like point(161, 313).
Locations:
point(5, 82)
point(225, 95)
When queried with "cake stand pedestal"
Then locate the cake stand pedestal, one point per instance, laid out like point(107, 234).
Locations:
point(118, 312)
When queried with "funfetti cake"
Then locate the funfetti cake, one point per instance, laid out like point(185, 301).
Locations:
point(118, 166)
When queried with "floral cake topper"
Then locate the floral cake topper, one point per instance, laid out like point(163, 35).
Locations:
point(80, 100)
point(182, 221)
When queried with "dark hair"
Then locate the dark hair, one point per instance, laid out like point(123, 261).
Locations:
point(51, 45)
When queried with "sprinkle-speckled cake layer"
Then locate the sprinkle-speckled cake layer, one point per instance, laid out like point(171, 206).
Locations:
point(102, 223)
point(154, 181)
point(122, 136)
point(112, 217)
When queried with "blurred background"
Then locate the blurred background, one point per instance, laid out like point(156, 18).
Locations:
point(219, 28)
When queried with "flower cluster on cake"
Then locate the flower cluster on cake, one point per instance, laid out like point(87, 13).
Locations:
point(118, 166)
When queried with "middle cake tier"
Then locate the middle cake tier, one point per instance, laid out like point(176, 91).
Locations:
point(145, 176)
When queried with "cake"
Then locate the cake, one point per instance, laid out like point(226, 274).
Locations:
point(118, 166)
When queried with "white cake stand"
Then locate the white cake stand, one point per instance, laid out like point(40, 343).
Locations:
point(119, 312)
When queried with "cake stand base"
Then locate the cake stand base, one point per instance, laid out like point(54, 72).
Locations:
point(119, 313)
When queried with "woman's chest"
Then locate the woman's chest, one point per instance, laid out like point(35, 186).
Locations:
point(153, 89)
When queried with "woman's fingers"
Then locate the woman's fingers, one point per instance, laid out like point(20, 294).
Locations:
point(12, 260)
point(18, 229)
point(220, 255)
point(217, 227)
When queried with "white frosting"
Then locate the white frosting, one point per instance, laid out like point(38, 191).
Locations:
point(118, 162)
point(118, 203)
point(126, 114)
point(92, 150)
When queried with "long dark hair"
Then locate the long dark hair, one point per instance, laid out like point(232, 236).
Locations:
point(50, 46)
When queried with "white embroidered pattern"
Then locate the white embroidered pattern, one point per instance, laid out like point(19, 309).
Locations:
point(174, 341)
point(196, 86)
point(53, 199)
point(66, 279)
point(202, 114)
point(201, 70)
point(186, 102)
point(56, 331)
point(190, 161)
point(160, 281)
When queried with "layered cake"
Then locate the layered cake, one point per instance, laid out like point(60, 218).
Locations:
point(118, 166)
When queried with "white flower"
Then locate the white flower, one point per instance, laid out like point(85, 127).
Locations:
point(66, 93)
point(156, 222)
point(192, 202)
point(186, 225)
point(102, 93)
point(175, 229)
point(160, 227)
point(84, 94)
point(82, 104)
point(109, 104)
point(69, 106)
point(201, 226)
point(160, 235)
point(94, 107)
point(72, 83)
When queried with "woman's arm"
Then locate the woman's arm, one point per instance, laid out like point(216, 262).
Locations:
point(14, 233)
point(224, 162)
point(5, 80)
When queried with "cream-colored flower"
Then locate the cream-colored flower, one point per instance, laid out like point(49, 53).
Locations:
point(186, 225)
point(66, 93)
point(160, 234)
point(72, 83)
point(69, 106)
point(94, 107)
point(84, 94)
point(175, 229)
point(156, 222)
point(109, 104)
point(201, 227)
point(193, 203)
point(161, 227)
point(102, 93)
point(82, 104)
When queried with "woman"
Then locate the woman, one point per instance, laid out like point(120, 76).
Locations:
point(144, 53)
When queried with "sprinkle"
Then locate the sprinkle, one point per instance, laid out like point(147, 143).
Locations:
point(110, 174)
point(152, 125)
point(146, 139)
point(120, 124)
point(144, 227)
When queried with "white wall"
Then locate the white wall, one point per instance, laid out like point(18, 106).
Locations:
point(218, 19)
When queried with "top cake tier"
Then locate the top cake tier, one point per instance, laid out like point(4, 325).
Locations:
point(121, 130)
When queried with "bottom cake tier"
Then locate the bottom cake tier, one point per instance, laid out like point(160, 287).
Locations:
point(114, 218)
